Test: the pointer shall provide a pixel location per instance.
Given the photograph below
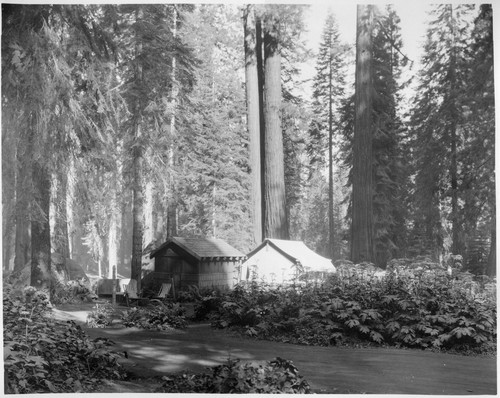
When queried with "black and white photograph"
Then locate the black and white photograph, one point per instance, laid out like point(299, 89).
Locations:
point(278, 197)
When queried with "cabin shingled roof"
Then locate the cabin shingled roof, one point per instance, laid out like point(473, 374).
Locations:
point(201, 248)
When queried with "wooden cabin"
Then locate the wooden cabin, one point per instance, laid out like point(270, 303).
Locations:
point(202, 262)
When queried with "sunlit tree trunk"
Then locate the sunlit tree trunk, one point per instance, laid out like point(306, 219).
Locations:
point(148, 213)
point(275, 218)
point(70, 197)
point(60, 240)
point(113, 243)
point(362, 191)
point(253, 120)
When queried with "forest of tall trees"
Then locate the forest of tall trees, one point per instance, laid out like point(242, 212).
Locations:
point(123, 125)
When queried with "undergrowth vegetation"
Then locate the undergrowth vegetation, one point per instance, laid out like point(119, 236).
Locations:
point(414, 304)
point(159, 317)
point(44, 355)
point(276, 376)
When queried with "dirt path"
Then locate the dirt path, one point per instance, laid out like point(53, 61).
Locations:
point(376, 371)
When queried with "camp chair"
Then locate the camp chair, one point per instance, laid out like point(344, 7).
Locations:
point(164, 291)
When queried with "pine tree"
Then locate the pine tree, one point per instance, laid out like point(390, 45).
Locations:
point(328, 88)
point(389, 144)
point(389, 175)
point(437, 122)
point(477, 157)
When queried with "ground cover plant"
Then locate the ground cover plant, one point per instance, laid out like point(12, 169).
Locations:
point(276, 376)
point(100, 316)
point(161, 316)
point(44, 355)
point(416, 304)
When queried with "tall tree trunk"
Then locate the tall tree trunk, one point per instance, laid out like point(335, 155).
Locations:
point(70, 196)
point(60, 234)
point(113, 234)
point(275, 219)
point(9, 169)
point(137, 213)
point(331, 225)
point(457, 245)
point(362, 192)
point(253, 120)
point(148, 213)
point(492, 257)
point(23, 197)
point(172, 196)
point(259, 52)
point(138, 201)
point(40, 230)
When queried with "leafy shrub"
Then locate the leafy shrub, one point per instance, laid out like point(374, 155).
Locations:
point(45, 355)
point(276, 376)
point(100, 316)
point(415, 304)
point(74, 291)
point(160, 317)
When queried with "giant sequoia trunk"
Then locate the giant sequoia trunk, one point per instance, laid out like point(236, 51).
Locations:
point(138, 201)
point(40, 229)
point(457, 244)
point(253, 119)
point(172, 196)
point(275, 218)
point(137, 210)
point(362, 192)
point(23, 195)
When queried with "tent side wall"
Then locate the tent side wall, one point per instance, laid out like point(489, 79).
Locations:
point(270, 266)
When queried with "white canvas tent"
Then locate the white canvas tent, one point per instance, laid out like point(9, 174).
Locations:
point(280, 261)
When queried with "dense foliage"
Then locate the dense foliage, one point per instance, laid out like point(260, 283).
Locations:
point(415, 304)
point(43, 355)
point(159, 317)
point(276, 376)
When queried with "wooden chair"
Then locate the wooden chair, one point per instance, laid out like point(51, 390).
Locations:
point(164, 291)
point(131, 291)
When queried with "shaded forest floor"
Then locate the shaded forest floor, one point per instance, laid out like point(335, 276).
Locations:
point(153, 354)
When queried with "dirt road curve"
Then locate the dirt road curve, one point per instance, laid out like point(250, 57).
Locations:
point(374, 371)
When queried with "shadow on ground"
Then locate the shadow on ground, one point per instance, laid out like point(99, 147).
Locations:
point(327, 369)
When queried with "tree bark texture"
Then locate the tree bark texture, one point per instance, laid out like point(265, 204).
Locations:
point(457, 244)
point(60, 233)
point(23, 198)
point(148, 213)
point(70, 196)
point(40, 230)
point(9, 172)
point(172, 197)
point(138, 200)
point(362, 191)
point(113, 234)
point(275, 219)
point(253, 120)
point(137, 211)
